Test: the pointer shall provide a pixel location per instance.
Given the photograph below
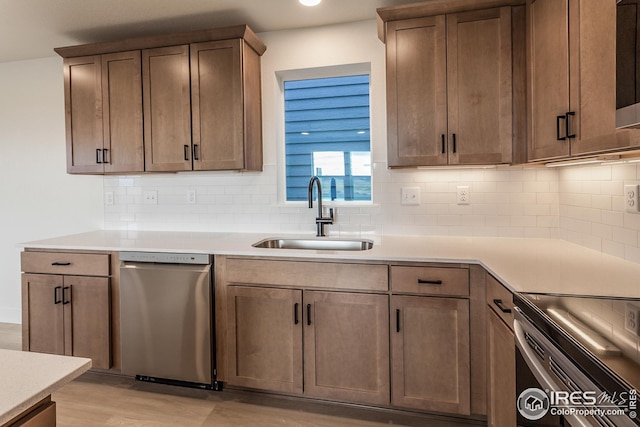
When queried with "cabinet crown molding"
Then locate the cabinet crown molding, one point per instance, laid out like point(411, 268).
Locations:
point(150, 42)
point(432, 8)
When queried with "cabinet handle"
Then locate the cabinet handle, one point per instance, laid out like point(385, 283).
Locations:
point(186, 152)
point(500, 305)
point(60, 263)
point(444, 147)
point(64, 300)
point(454, 143)
point(56, 300)
point(295, 314)
point(308, 314)
point(567, 125)
point(397, 320)
point(558, 137)
point(98, 157)
point(429, 282)
point(195, 152)
point(104, 155)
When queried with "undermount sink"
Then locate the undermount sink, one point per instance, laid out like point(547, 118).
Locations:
point(315, 244)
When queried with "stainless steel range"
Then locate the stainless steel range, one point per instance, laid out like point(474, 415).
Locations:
point(577, 360)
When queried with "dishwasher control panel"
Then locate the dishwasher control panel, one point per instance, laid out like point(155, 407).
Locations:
point(165, 257)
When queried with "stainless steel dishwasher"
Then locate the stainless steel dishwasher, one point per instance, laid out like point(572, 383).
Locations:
point(166, 318)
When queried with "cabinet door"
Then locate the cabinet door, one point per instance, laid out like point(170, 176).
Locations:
point(479, 81)
point(83, 114)
point(430, 354)
point(593, 76)
point(416, 92)
point(122, 108)
point(265, 338)
point(43, 313)
point(167, 109)
point(87, 319)
point(346, 348)
point(548, 52)
point(501, 375)
point(216, 83)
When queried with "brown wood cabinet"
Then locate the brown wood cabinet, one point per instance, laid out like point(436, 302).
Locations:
point(435, 362)
point(430, 354)
point(202, 103)
point(341, 361)
point(449, 88)
point(167, 109)
point(265, 340)
point(501, 356)
point(280, 332)
point(571, 48)
point(42, 414)
point(66, 313)
point(103, 98)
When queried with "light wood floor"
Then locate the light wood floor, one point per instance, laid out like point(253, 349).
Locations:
point(97, 399)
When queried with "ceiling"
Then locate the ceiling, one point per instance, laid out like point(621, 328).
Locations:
point(32, 28)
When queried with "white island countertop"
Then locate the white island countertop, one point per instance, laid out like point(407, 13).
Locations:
point(522, 264)
point(27, 378)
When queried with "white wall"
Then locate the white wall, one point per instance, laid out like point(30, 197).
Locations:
point(592, 209)
point(38, 199)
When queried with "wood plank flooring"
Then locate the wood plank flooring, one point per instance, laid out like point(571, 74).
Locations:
point(97, 399)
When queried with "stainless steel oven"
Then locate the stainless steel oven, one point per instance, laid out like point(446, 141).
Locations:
point(563, 373)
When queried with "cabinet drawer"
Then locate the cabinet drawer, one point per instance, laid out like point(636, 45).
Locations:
point(65, 263)
point(331, 275)
point(500, 300)
point(430, 280)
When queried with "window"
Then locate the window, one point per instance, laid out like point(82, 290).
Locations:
point(327, 133)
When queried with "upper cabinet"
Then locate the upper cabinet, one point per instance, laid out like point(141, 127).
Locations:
point(188, 101)
point(450, 83)
point(103, 98)
point(571, 53)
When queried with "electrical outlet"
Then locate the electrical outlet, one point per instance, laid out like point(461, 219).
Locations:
point(191, 197)
point(631, 200)
point(463, 195)
point(108, 198)
point(410, 195)
point(150, 197)
point(632, 318)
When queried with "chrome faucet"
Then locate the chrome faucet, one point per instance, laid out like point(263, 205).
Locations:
point(320, 220)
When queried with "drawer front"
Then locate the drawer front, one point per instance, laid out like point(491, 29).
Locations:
point(65, 263)
point(430, 280)
point(329, 275)
point(500, 300)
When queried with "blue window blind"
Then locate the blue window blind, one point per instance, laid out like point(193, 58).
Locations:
point(327, 133)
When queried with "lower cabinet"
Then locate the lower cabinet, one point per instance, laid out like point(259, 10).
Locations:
point(430, 354)
point(265, 338)
point(64, 313)
point(275, 332)
point(501, 356)
point(389, 335)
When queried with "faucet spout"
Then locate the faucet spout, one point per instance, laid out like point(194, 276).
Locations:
point(320, 219)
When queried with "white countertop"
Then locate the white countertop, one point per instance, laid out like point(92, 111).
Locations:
point(524, 265)
point(26, 378)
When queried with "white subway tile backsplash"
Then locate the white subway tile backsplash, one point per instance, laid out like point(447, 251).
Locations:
point(582, 204)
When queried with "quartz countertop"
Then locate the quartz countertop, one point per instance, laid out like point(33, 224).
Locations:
point(27, 378)
point(521, 264)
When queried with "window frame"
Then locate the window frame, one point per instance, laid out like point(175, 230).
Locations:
point(317, 73)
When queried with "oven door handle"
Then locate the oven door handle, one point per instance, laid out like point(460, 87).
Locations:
point(540, 373)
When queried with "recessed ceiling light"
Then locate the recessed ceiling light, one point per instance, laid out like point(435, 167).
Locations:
point(310, 2)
